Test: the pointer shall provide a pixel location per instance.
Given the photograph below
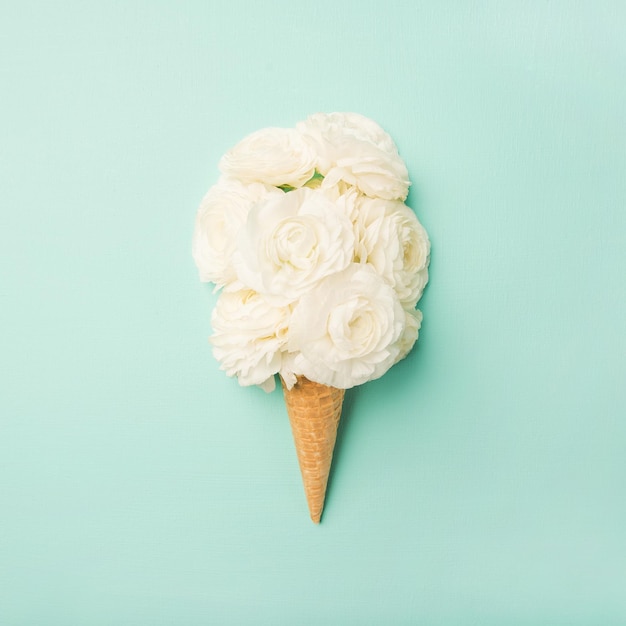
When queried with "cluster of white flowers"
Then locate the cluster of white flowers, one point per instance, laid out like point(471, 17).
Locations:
point(320, 262)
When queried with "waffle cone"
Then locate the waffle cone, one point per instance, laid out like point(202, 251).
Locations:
point(314, 411)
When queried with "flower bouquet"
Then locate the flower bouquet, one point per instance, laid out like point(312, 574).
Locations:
point(320, 265)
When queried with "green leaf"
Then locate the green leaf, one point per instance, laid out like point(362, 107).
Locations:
point(316, 176)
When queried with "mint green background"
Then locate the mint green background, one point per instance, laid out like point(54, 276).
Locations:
point(482, 481)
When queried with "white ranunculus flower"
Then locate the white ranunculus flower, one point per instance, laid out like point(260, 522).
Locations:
point(417, 287)
point(292, 241)
point(408, 338)
point(221, 215)
point(288, 370)
point(391, 239)
point(275, 156)
point(345, 331)
point(248, 336)
point(355, 149)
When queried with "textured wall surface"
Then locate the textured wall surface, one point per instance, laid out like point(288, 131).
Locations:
point(481, 481)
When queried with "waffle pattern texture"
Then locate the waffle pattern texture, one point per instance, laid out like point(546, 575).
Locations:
point(314, 411)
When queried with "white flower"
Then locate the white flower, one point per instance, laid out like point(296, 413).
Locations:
point(275, 156)
point(221, 215)
point(320, 260)
point(345, 331)
point(354, 149)
point(408, 338)
point(248, 336)
point(288, 369)
point(290, 242)
point(391, 239)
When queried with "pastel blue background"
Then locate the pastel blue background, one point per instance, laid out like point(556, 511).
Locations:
point(482, 481)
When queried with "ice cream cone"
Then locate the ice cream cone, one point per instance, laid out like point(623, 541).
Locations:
point(314, 411)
